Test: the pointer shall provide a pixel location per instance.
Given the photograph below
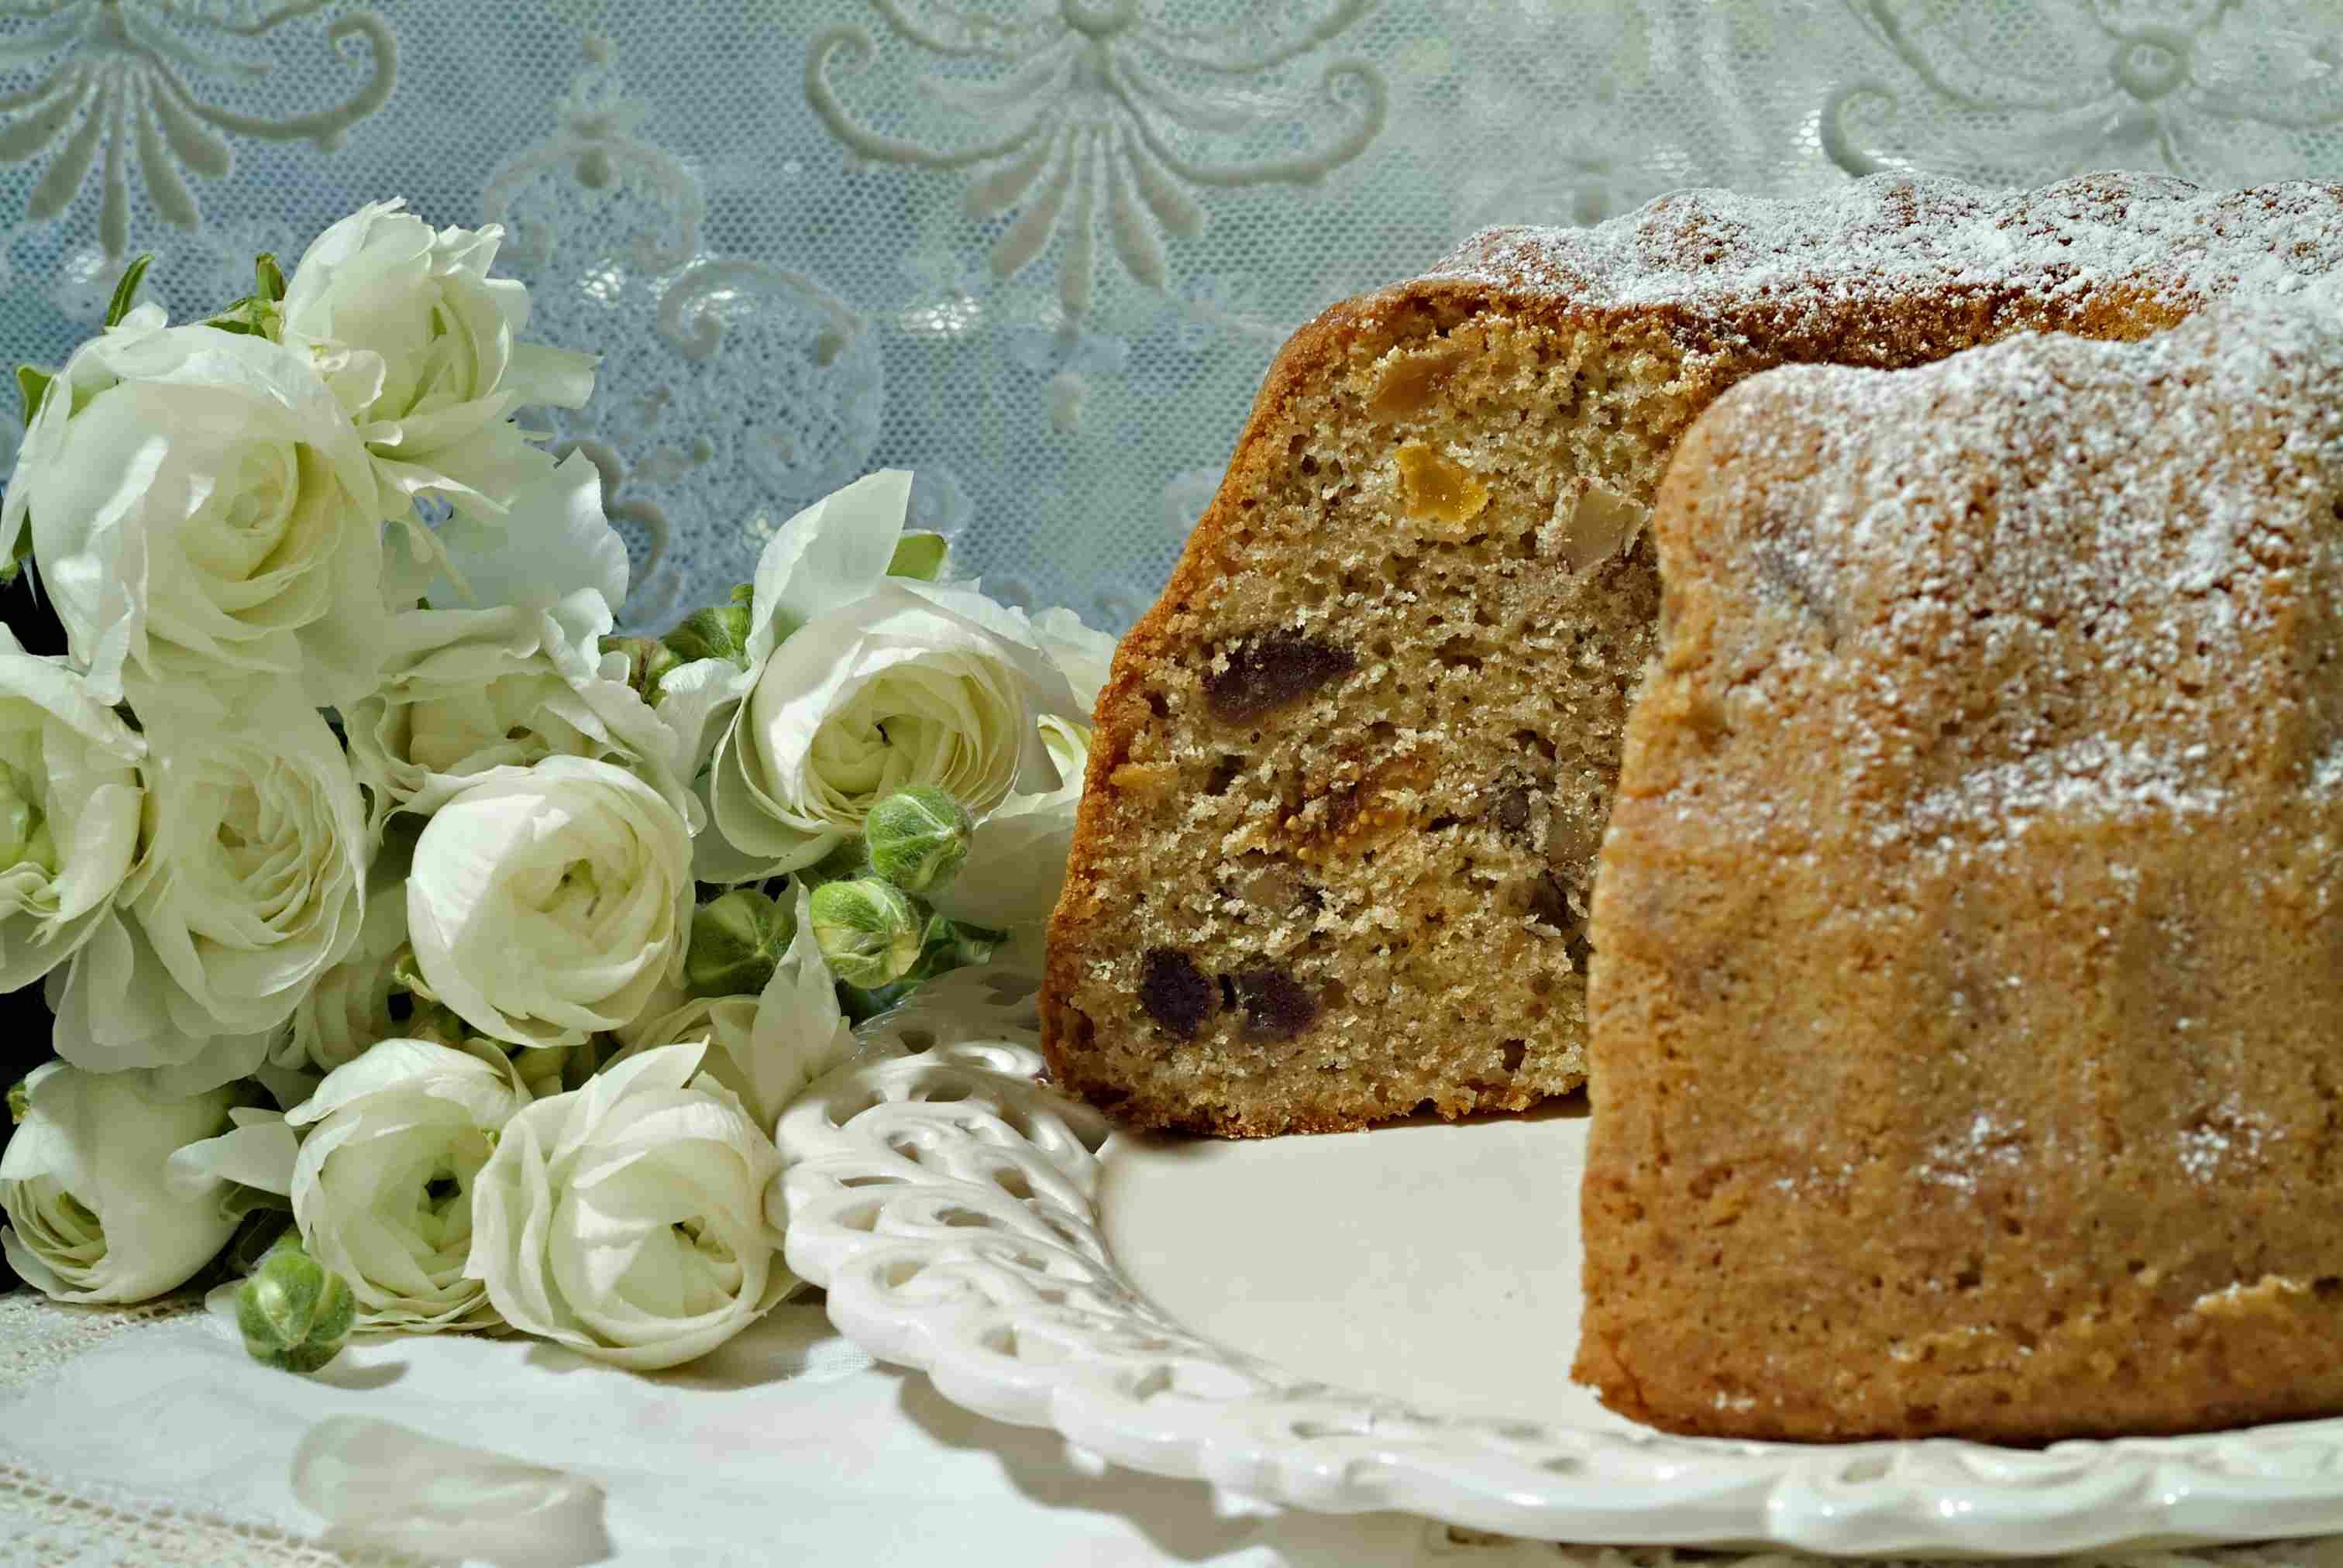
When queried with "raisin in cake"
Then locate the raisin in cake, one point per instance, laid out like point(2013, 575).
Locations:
point(1352, 771)
point(1969, 1030)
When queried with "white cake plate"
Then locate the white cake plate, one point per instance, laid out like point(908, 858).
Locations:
point(1372, 1321)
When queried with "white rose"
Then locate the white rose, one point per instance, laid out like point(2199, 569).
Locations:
point(94, 1211)
point(548, 903)
point(627, 1220)
point(1017, 859)
point(441, 368)
point(251, 883)
point(202, 510)
point(383, 1187)
point(767, 1048)
point(69, 808)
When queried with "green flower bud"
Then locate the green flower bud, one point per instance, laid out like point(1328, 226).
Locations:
point(866, 930)
point(20, 1103)
point(921, 555)
point(295, 1312)
point(648, 660)
point(737, 941)
point(719, 631)
point(918, 838)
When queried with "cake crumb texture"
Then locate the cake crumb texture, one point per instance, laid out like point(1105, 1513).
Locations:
point(1968, 1006)
point(1337, 845)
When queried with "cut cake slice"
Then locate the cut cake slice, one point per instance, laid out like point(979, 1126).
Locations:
point(1351, 772)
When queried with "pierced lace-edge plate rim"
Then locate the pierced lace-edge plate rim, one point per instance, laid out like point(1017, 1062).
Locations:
point(945, 1197)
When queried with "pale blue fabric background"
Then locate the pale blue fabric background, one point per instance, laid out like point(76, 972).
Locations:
point(1040, 251)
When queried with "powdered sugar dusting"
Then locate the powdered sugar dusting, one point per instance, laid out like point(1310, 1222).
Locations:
point(2118, 539)
point(1884, 238)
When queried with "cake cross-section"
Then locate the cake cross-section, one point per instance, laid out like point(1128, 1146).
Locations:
point(1967, 1021)
point(1351, 773)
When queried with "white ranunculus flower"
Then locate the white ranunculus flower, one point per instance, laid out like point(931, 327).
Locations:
point(251, 883)
point(69, 808)
point(349, 1009)
point(767, 1048)
point(383, 1187)
point(627, 1220)
point(441, 367)
point(1085, 656)
point(94, 1213)
point(900, 687)
point(202, 511)
point(830, 554)
point(1016, 860)
point(468, 691)
point(548, 903)
point(465, 691)
point(857, 684)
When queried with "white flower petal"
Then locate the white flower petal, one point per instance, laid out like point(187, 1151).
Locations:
point(830, 554)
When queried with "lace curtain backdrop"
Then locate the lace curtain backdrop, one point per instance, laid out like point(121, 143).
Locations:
point(1039, 251)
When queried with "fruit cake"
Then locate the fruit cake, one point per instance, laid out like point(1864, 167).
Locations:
point(1968, 1033)
point(1351, 772)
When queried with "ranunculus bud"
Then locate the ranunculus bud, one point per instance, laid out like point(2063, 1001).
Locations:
point(719, 631)
point(866, 930)
point(737, 941)
point(918, 838)
point(295, 1312)
point(921, 555)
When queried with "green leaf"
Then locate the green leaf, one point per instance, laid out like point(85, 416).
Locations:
point(125, 293)
point(33, 384)
point(240, 319)
point(271, 277)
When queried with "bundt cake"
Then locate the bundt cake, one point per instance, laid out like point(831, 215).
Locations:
point(1351, 771)
point(1968, 1025)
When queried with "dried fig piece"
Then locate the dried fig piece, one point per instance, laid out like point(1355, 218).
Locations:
point(1276, 1005)
point(1266, 670)
point(1174, 991)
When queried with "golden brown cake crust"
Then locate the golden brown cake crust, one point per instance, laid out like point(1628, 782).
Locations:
point(1968, 1010)
point(1665, 308)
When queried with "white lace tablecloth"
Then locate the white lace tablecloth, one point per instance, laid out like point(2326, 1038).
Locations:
point(150, 1438)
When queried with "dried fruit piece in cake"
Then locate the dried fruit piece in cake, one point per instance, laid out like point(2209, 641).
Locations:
point(1351, 771)
point(1968, 1024)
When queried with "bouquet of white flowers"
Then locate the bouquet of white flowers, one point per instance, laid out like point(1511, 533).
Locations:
point(417, 947)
